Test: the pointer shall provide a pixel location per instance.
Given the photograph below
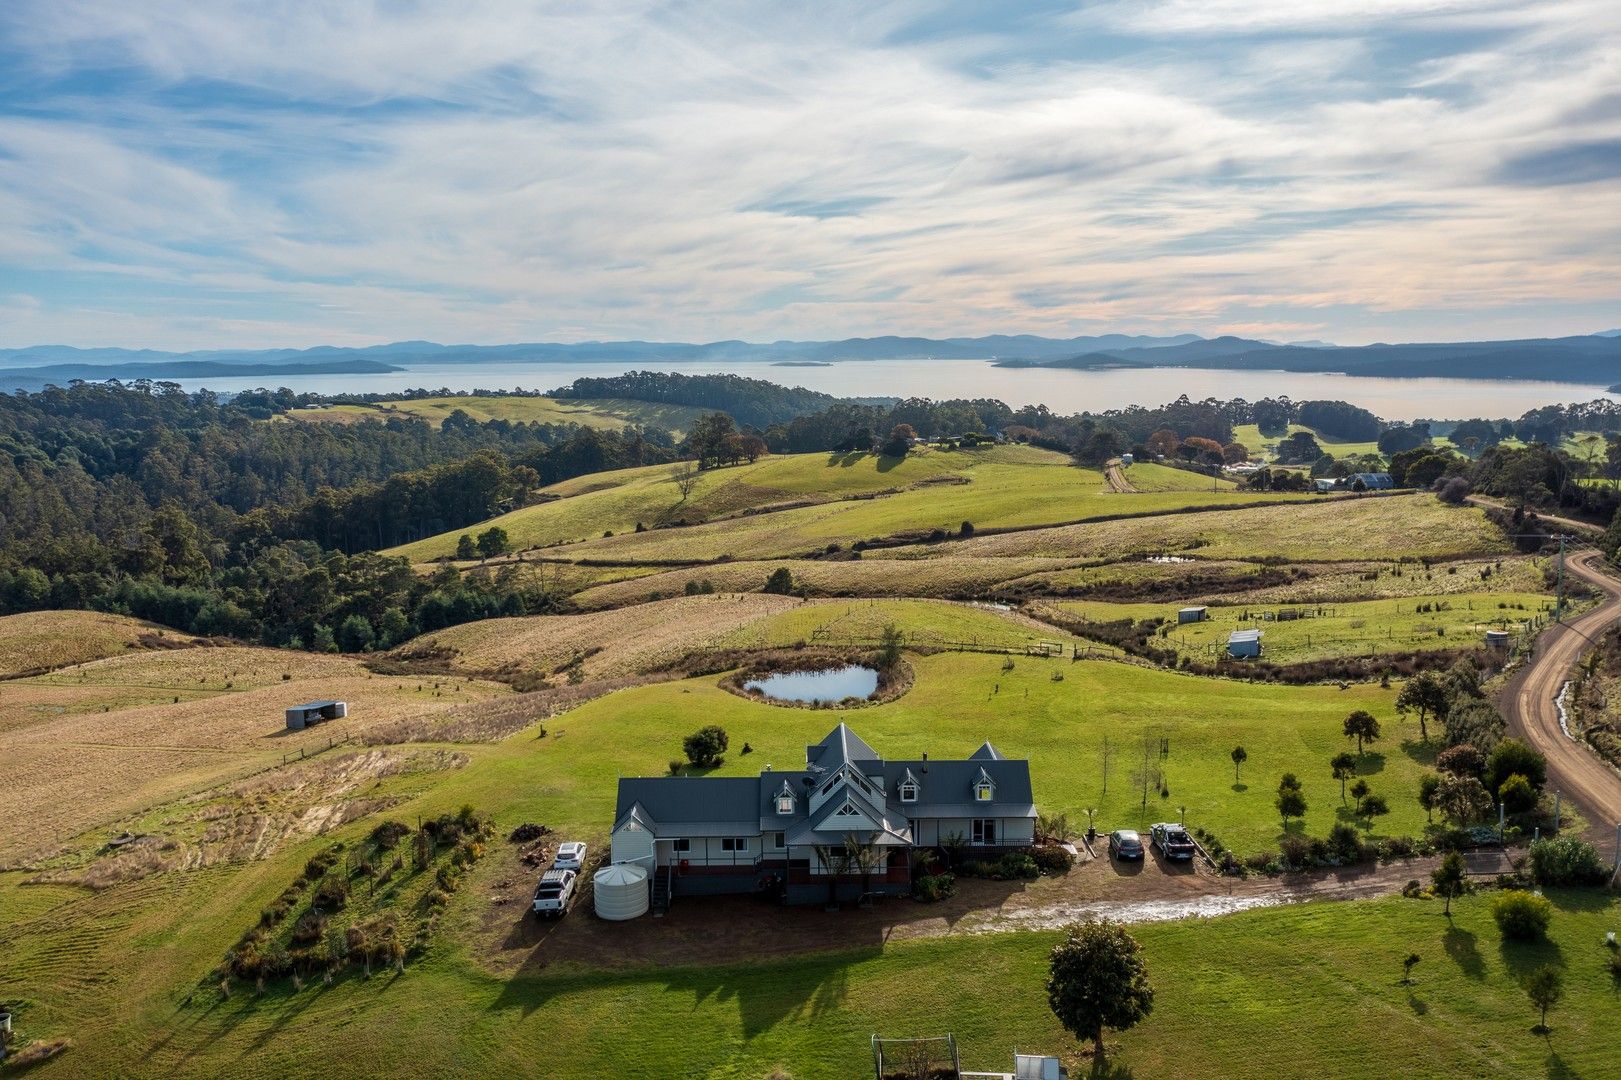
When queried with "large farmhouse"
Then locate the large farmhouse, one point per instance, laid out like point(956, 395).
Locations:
point(790, 829)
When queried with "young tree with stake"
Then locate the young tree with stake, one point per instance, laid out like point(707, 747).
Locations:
point(1239, 756)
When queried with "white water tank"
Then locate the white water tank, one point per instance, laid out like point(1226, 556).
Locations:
point(621, 891)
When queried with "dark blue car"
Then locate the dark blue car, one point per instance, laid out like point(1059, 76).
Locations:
point(1125, 844)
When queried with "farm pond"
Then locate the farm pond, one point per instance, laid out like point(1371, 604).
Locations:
point(812, 687)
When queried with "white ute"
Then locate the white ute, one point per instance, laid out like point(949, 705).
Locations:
point(570, 856)
point(554, 893)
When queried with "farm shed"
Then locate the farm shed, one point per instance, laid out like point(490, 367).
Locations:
point(1244, 643)
point(1127, 459)
point(1192, 614)
point(1497, 639)
point(300, 717)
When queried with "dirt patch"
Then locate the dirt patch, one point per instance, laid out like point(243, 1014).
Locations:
point(700, 930)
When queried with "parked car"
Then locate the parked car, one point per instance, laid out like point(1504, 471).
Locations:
point(1125, 844)
point(1172, 840)
point(554, 893)
point(570, 856)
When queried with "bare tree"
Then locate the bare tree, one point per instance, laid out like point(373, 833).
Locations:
point(686, 477)
point(1149, 774)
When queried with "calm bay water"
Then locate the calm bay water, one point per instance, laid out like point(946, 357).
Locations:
point(1061, 391)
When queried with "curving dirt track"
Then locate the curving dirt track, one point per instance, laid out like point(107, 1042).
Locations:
point(1115, 477)
point(1528, 701)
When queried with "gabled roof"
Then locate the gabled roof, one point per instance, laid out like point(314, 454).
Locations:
point(841, 747)
point(985, 778)
point(693, 805)
point(636, 813)
point(986, 752)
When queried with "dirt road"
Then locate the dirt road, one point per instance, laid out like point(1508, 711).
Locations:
point(1529, 703)
point(1115, 476)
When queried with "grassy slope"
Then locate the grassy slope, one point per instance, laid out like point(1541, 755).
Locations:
point(996, 487)
point(1334, 629)
point(1381, 527)
point(1324, 973)
point(1262, 447)
point(46, 640)
point(604, 414)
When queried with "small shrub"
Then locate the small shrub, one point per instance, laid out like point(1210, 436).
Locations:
point(387, 836)
point(1345, 843)
point(1260, 862)
point(975, 868)
point(1521, 916)
point(332, 894)
point(931, 888)
point(310, 928)
point(1566, 860)
point(1052, 859)
point(1295, 850)
point(676, 765)
point(1014, 866)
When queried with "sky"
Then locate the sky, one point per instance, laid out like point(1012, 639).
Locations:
point(275, 173)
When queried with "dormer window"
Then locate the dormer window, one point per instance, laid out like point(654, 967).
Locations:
point(984, 787)
point(785, 800)
point(909, 792)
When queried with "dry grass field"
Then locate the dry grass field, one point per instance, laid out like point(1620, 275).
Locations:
point(1356, 529)
point(609, 643)
point(603, 414)
point(45, 640)
point(91, 744)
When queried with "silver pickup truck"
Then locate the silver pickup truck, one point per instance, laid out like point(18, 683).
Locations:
point(554, 894)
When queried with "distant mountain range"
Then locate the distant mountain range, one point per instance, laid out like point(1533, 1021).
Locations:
point(1592, 360)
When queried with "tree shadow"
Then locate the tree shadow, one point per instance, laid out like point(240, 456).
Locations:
point(1109, 1069)
point(1370, 763)
point(1521, 958)
point(1241, 788)
point(1421, 752)
point(887, 462)
point(1419, 1006)
point(1556, 1067)
point(1461, 949)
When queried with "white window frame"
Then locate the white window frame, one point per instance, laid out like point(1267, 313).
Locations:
point(984, 791)
point(785, 805)
point(779, 840)
point(908, 792)
point(681, 845)
point(738, 845)
point(984, 831)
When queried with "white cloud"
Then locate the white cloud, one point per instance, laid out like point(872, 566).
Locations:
point(303, 172)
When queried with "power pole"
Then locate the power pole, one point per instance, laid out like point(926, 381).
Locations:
point(1559, 602)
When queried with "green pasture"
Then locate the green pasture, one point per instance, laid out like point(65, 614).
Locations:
point(1262, 447)
point(1319, 529)
point(605, 414)
point(1291, 633)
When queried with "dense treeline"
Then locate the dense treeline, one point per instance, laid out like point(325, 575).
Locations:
point(198, 513)
point(753, 402)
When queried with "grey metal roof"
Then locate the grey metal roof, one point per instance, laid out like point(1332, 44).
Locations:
point(986, 752)
point(315, 705)
point(1244, 635)
point(946, 788)
point(841, 747)
point(728, 804)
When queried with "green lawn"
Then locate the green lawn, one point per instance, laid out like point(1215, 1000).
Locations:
point(1296, 632)
point(1325, 975)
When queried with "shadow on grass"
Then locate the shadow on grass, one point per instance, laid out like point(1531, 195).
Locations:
point(1419, 1006)
point(1557, 1069)
point(762, 996)
point(1523, 957)
point(1421, 752)
point(1241, 788)
point(1371, 762)
point(1461, 948)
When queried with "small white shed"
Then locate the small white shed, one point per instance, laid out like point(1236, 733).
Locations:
point(1244, 643)
point(1497, 639)
point(621, 892)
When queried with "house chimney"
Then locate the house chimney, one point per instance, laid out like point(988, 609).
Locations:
point(768, 766)
point(925, 761)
